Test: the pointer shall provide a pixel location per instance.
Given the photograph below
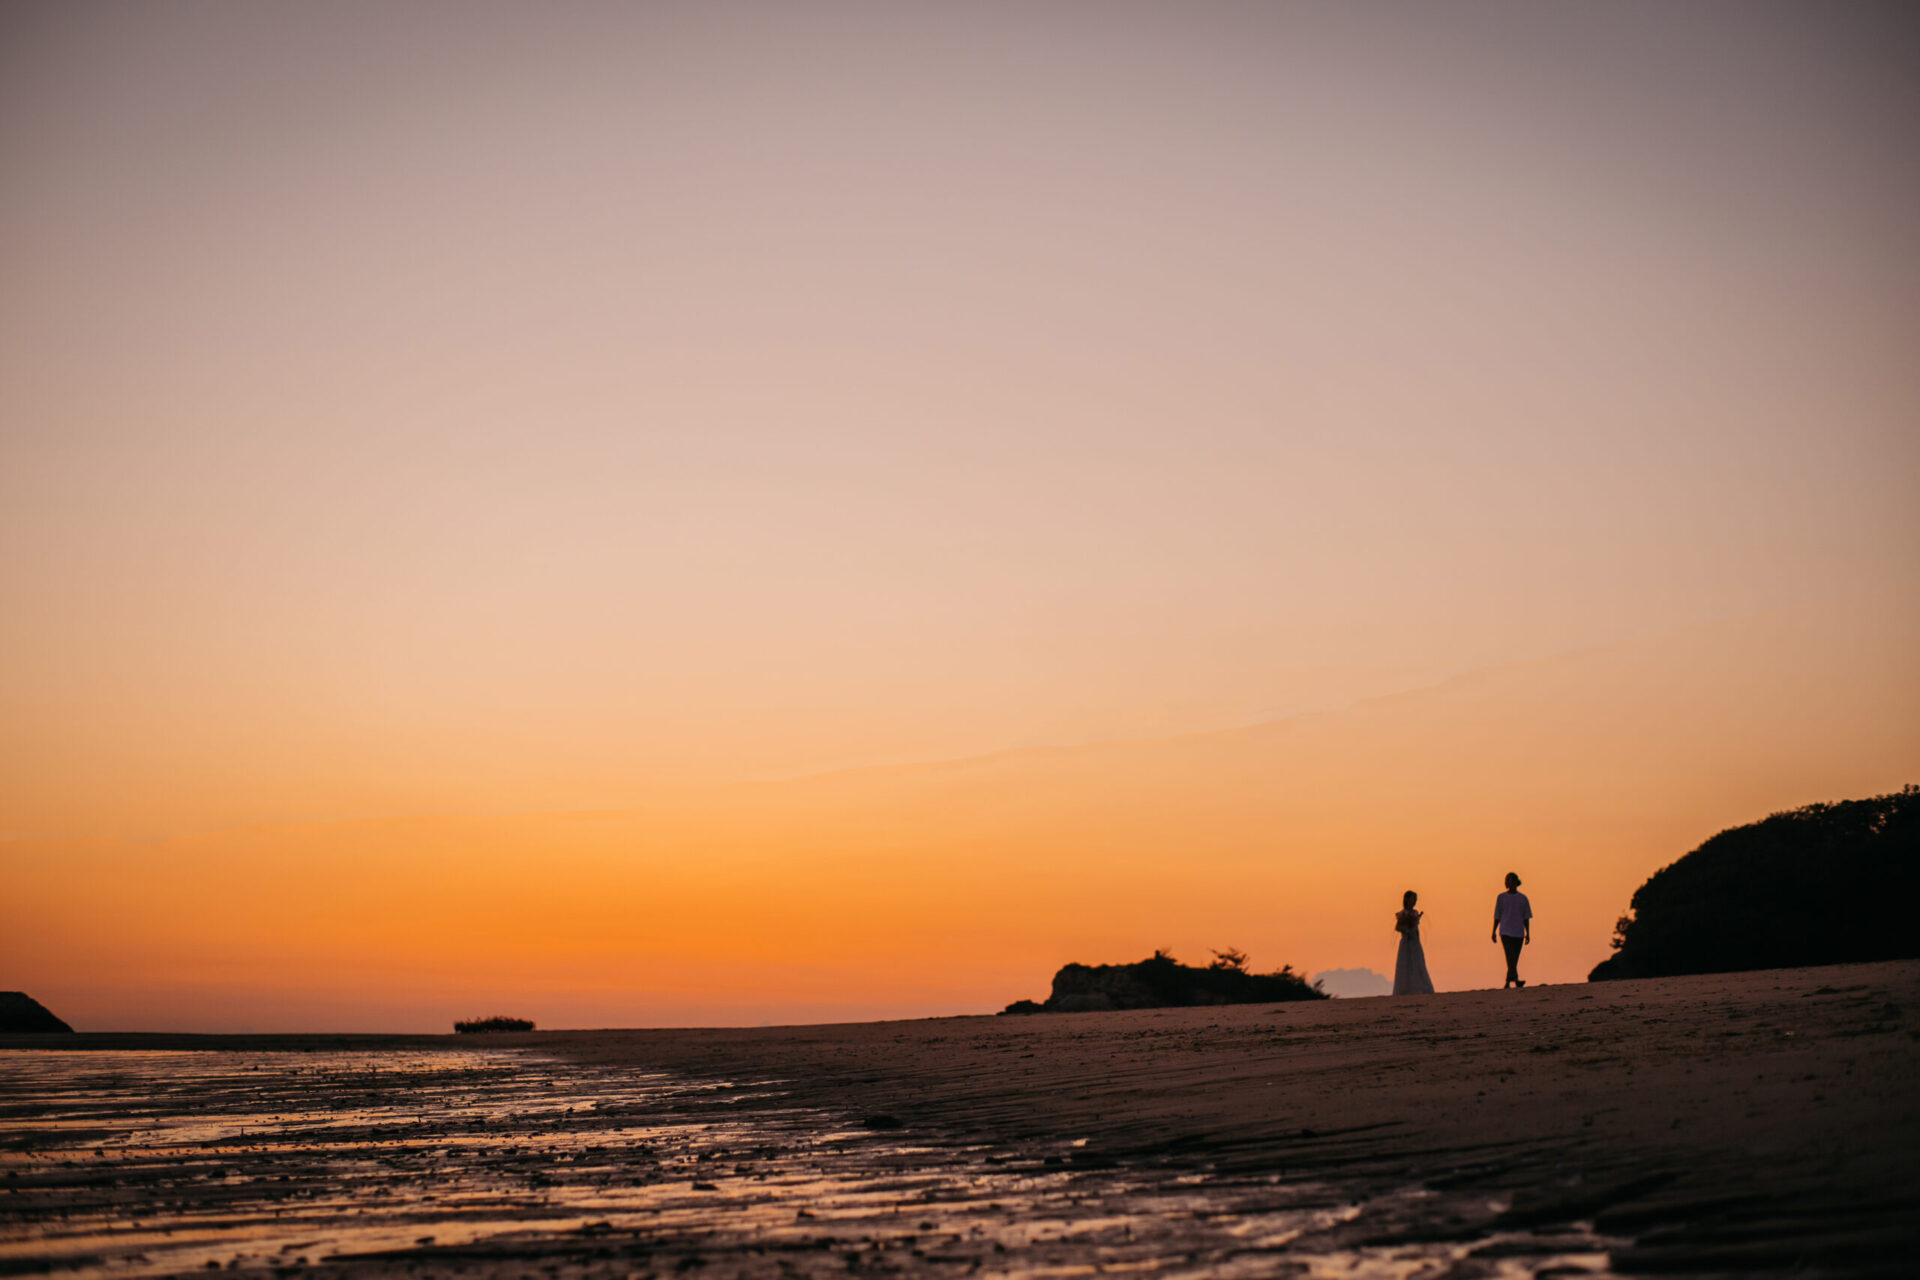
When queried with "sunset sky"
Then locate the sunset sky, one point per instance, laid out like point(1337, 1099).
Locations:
point(720, 513)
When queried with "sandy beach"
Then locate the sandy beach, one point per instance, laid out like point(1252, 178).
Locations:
point(1749, 1123)
point(1723, 1122)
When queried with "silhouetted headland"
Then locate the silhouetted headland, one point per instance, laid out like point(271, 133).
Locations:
point(1827, 884)
point(21, 1014)
point(1160, 982)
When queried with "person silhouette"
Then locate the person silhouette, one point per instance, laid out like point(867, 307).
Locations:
point(1513, 927)
point(1410, 967)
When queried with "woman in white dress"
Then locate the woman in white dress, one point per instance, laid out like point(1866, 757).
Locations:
point(1410, 969)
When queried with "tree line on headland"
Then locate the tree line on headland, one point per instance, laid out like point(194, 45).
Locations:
point(1826, 884)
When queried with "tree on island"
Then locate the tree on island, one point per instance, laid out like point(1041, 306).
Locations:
point(1233, 959)
point(1827, 884)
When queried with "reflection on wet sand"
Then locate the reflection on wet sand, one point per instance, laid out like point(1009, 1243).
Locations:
point(505, 1163)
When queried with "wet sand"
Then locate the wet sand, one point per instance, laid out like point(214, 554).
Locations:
point(1736, 1122)
point(1747, 1123)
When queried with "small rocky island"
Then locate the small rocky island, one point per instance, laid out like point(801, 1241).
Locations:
point(481, 1026)
point(1160, 982)
point(21, 1014)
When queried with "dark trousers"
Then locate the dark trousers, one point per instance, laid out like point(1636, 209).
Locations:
point(1513, 946)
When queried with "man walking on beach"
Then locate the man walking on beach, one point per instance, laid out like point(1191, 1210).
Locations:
point(1513, 926)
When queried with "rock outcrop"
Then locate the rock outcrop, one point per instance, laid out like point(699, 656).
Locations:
point(21, 1014)
point(1160, 982)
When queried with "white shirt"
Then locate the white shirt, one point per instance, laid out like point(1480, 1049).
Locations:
point(1512, 910)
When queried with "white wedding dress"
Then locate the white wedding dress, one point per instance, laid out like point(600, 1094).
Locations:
point(1410, 968)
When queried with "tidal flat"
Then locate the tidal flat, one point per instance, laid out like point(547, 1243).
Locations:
point(1749, 1124)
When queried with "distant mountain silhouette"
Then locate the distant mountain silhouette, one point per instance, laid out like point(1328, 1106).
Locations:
point(1827, 884)
point(1353, 983)
point(1160, 981)
point(21, 1014)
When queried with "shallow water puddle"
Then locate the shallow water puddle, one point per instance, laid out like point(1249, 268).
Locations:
point(507, 1164)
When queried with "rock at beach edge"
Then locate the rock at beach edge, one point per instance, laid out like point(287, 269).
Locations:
point(21, 1014)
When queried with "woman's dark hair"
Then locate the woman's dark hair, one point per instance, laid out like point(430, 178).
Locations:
point(1513, 881)
point(1408, 898)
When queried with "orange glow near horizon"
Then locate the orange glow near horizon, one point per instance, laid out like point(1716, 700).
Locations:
point(958, 887)
point(676, 514)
